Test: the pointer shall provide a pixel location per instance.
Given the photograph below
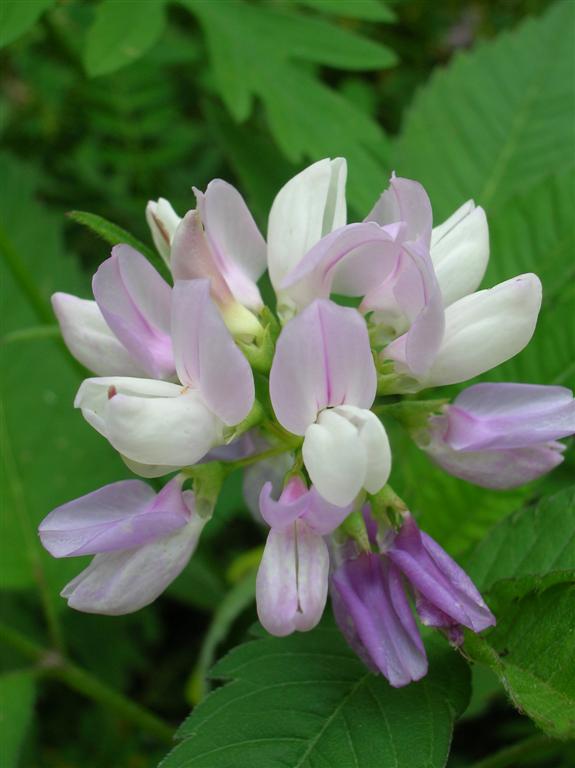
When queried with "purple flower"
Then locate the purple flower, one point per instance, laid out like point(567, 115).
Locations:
point(322, 383)
point(141, 542)
point(292, 581)
point(374, 615)
point(445, 595)
point(501, 435)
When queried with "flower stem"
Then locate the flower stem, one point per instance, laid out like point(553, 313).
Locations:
point(533, 747)
point(52, 664)
point(22, 513)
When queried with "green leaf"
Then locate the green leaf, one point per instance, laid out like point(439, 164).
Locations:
point(114, 235)
point(17, 17)
point(498, 120)
point(258, 51)
point(121, 33)
point(531, 651)
point(49, 454)
point(535, 232)
point(368, 10)
point(307, 700)
point(17, 693)
point(529, 549)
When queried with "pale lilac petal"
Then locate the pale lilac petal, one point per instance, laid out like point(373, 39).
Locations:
point(437, 577)
point(136, 303)
point(122, 582)
point(292, 503)
point(348, 261)
point(509, 415)
point(118, 516)
point(297, 501)
point(276, 583)
point(417, 294)
point(308, 207)
point(236, 242)
point(292, 580)
point(323, 517)
point(323, 358)
point(89, 338)
point(192, 257)
point(257, 475)
point(373, 613)
point(407, 201)
point(206, 356)
point(496, 469)
point(312, 577)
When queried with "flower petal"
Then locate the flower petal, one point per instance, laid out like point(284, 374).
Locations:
point(150, 422)
point(349, 261)
point(136, 304)
point(89, 338)
point(206, 356)
point(122, 582)
point(235, 240)
point(485, 329)
point(309, 206)
point(163, 222)
point(335, 458)
point(276, 584)
point(405, 200)
point(438, 578)
point(374, 615)
point(118, 516)
point(460, 252)
point(312, 577)
point(322, 358)
point(373, 438)
point(192, 257)
point(509, 415)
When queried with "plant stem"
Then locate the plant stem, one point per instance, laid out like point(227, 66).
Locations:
point(54, 665)
point(535, 746)
point(31, 334)
point(249, 460)
point(22, 512)
point(25, 280)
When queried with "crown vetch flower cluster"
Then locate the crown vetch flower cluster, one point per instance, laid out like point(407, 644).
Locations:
point(174, 394)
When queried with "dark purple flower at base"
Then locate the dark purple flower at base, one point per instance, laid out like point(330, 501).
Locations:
point(374, 615)
point(445, 595)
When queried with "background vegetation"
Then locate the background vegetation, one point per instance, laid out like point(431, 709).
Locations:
point(107, 104)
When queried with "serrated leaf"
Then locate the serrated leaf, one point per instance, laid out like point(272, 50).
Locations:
point(535, 232)
point(532, 547)
point(498, 120)
point(307, 700)
point(17, 17)
point(368, 10)
point(256, 51)
point(122, 32)
point(532, 650)
point(17, 693)
point(114, 235)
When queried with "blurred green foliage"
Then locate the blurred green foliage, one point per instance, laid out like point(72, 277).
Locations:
point(105, 105)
